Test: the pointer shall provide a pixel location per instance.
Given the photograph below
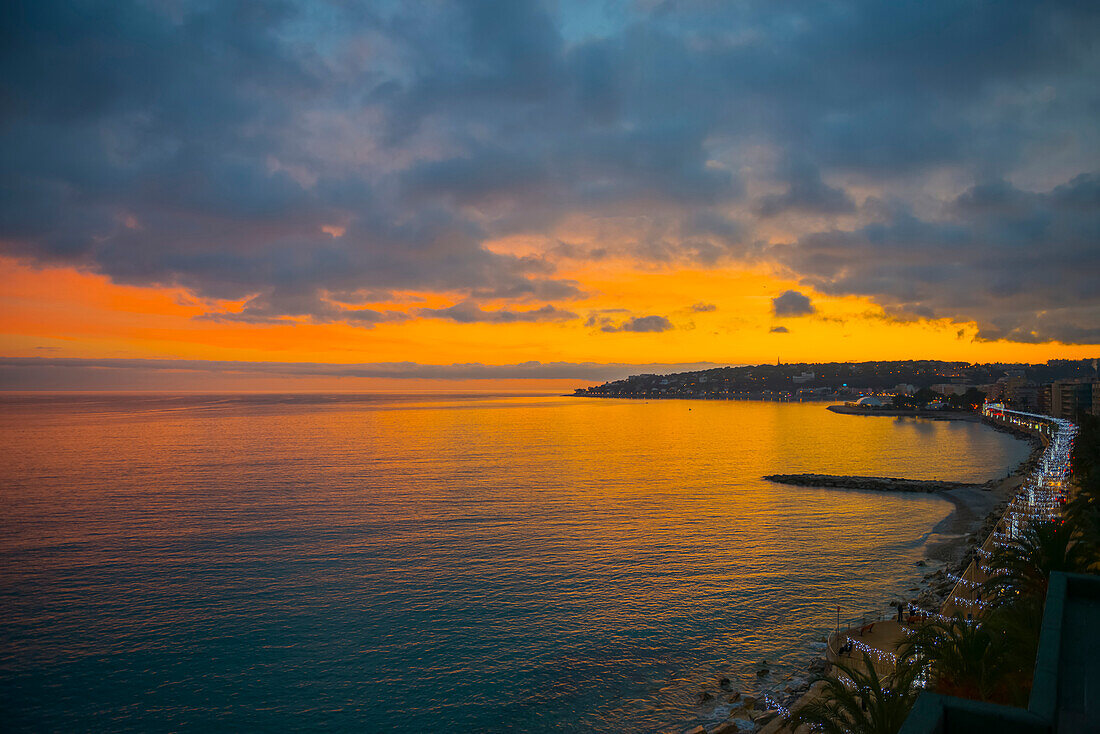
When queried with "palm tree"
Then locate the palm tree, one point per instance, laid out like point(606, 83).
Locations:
point(859, 701)
point(1086, 449)
point(1084, 510)
point(966, 658)
point(1016, 628)
point(1024, 565)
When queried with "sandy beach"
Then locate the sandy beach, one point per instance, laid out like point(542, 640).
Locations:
point(952, 542)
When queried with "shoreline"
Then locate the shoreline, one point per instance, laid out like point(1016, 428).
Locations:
point(952, 543)
point(972, 519)
point(947, 414)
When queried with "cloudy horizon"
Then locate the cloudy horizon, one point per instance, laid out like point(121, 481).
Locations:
point(616, 182)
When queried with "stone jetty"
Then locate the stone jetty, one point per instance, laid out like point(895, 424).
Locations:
point(875, 484)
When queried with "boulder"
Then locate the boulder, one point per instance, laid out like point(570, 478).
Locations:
point(725, 684)
point(697, 730)
point(762, 672)
point(726, 727)
point(704, 697)
point(766, 716)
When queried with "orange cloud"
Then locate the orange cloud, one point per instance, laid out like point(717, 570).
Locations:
point(63, 312)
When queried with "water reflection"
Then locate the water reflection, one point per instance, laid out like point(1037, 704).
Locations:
point(409, 563)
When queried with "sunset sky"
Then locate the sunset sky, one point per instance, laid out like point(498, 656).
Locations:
point(430, 194)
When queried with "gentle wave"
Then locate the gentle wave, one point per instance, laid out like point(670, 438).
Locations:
point(411, 562)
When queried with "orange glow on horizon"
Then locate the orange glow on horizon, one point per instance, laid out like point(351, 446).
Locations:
point(63, 312)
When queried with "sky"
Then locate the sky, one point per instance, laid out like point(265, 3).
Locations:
point(518, 194)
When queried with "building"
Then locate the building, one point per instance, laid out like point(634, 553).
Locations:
point(1068, 398)
point(1043, 399)
point(867, 402)
point(951, 388)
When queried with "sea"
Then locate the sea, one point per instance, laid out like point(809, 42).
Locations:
point(445, 563)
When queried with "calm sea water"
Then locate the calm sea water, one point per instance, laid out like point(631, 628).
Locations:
point(365, 563)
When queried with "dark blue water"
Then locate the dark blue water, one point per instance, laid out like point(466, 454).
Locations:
point(374, 563)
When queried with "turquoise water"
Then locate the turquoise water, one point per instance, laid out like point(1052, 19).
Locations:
point(399, 563)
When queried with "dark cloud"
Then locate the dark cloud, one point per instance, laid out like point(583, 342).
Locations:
point(1024, 265)
point(645, 324)
point(779, 330)
point(206, 145)
point(641, 324)
point(703, 307)
point(792, 303)
point(470, 313)
point(806, 193)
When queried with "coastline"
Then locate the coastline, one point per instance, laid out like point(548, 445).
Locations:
point(972, 519)
point(952, 544)
point(934, 415)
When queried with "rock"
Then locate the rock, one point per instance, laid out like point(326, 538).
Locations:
point(743, 724)
point(734, 697)
point(726, 727)
point(750, 701)
point(762, 672)
point(922, 564)
point(697, 730)
point(725, 684)
point(766, 716)
point(704, 697)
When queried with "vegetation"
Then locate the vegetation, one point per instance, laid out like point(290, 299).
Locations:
point(1025, 564)
point(770, 380)
point(1084, 511)
point(991, 659)
point(858, 700)
point(972, 399)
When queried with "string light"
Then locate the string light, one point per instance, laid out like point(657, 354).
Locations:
point(1040, 498)
point(775, 705)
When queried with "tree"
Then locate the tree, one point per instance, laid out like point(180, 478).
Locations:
point(973, 398)
point(926, 395)
point(1084, 510)
point(1017, 627)
point(964, 658)
point(859, 701)
point(905, 402)
point(1023, 565)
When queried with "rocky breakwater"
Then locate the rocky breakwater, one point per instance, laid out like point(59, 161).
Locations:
point(874, 484)
point(729, 710)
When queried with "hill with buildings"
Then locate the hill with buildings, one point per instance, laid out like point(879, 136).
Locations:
point(1061, 388)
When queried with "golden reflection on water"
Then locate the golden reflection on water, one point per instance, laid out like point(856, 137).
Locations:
point(435, 560)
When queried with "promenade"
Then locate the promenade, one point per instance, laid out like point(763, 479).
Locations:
point(1039, 498)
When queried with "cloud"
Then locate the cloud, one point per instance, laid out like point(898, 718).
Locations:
point(807, 194)
point(469, 313)
point(640, 324)
point(704, 307)
point(1021, 264)
point(792, 303)
point(23, 373)
point(215, 146)
point(779, 330)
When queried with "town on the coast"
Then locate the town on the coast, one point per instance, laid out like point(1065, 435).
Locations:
point(1058, 388)
point(1004, 636)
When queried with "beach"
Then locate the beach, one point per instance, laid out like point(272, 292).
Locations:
point(948, 548)
point(951, 545)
